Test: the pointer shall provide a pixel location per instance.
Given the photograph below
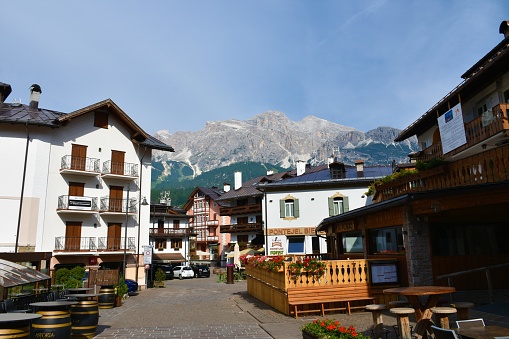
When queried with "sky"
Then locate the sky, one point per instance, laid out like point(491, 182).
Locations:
point(174, 65)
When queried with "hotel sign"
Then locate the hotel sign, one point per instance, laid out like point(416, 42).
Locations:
point(80, 203)
point(344, 226)
point(292, 231)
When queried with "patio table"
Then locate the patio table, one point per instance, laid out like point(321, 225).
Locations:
point(486, 332)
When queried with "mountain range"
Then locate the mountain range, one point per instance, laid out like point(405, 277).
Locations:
point(272, 140)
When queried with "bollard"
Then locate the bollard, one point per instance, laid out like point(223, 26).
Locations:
point(229, 274)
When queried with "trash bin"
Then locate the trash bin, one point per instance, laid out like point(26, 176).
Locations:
point(229, 274)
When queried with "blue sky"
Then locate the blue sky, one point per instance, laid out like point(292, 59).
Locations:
point(176, 64)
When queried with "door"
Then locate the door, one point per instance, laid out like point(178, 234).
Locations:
point(78, 157)
point(76, 189)
point(114, 235)
point(116, 194)
point(117, 162)
point(72, 235)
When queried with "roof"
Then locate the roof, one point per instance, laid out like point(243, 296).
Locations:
point(213, 193)
point(250, 187)
point(12, 274)
point(16, 113)
point(486, 70)
point(168, 257)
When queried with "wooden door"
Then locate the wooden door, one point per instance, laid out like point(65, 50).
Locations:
point(114, 235)
point(78, 157)
point(117, 162)
point(72, 235)
point(76, 189)
point(116, 194)
point(160, 226)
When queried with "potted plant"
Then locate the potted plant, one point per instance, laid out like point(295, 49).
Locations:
point(329, 329)
point(120, 291)
point(159, 278)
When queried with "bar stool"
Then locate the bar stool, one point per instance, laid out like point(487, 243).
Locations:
point(403, 321)
point(442, 315)
point(463, 308)
point(376, 312)
point(398, 303)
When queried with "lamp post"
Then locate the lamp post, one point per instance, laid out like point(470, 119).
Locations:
point(125, 232)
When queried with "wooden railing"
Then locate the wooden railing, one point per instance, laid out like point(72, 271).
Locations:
point(487, 167)
point(168, 232)
point(256, 208)
point(245, 227)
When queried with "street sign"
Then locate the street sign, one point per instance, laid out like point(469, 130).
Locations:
point(147, 255)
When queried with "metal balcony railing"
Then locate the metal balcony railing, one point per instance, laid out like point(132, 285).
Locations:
point(120, 168)
point(75, 244)
point(77, 203)
point(113, 205)
point(70, 162)
point(115, 243)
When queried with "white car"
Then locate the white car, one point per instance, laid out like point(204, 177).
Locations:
point(182, 272)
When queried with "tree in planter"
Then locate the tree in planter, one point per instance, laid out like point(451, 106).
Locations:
point(70, 278)
point(121, 288)
point(159, 277)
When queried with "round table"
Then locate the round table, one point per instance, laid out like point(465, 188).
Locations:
point(84, 315)
point(79, 290)
point(55, 321)
point(17, 325)
point(422, 311)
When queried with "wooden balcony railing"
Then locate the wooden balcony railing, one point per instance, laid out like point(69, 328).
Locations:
point(236, 228)
point(115, 243)
point(74, 163)
point(112, 205)
point(75, 244)
point(168, 232)
point(486, 167)
point(205, 223)
point(77, 204)
point(477, 131)
point(256, 208)
point(119, 169)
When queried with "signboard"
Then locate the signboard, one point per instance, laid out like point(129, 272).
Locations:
point(147, 255)
point(452, 129)
point(276, 246)
point(383, 272)
point(292, 231)
point(80, 203)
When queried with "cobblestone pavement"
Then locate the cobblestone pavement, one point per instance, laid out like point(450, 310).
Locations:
point(204, 308)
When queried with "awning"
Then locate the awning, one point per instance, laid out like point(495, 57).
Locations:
point(12, 274)
point(168, 257)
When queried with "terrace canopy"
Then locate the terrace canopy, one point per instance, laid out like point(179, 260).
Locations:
point(12, 274)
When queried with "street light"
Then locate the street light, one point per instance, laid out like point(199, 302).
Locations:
point(125, 232)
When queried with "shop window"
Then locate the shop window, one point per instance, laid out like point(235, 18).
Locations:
point(315, 242)
point(351, 242)
point(386, 241)
point(289, 207)
point(295, 245)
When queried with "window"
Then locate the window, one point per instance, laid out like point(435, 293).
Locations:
point(338, 204)
point(289, 207)
point(386, 240)
point(295, 245)
point(176, 243)
point(315, 242)
point(160, 244)
point(101, 119)
point(176, 224)
point(351, 242)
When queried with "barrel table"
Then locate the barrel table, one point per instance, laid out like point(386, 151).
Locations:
point(16, 325)
point(55, 320)
point(84, 315)
point(107, 296)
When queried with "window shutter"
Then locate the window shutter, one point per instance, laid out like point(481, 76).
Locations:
point(346, 208)
point(282, 208)
point(296, 208)
point(331, 207)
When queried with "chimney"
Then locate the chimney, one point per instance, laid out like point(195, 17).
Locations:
point(226, 187)
point(5, 90)
point(270, 172)
point(504, 28)
point(301, 167)
point(238, 180)
point(359, 164)
point(330, 160)
point(35, 94)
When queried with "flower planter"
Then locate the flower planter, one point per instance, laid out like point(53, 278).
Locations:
point(307, 335)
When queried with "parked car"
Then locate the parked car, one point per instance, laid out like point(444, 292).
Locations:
point(168, 269)
point(201, 271)
point(183, 272)
point(132, 286)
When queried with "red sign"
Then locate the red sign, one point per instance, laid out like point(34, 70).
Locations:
point(92, 261)
point(147, 267)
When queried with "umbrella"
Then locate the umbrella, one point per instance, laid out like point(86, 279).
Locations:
point(249, 251)
point(236, 256)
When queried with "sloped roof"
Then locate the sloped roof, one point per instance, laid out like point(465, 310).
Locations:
point(249, 188)
point(12, 274)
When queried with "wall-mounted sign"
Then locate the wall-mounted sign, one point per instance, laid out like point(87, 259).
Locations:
point(344, 226)
point(292, 231)
point(80, 203)
point(276, 246)
point(147, 255)
point(452, 129)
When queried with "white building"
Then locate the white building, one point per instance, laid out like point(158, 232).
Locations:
point(293, 207)
point(74, 183)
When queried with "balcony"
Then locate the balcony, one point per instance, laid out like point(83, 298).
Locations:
point(75, 244)
point(487, 167)
point(247, 209)
point(205, 223)
point(80, 165)
point(77, 204)
point(487, 131)
point(239, 228)
point(115, 244)
point(168, 232)
point(208, 238)
point(111, 206)
point(119, 170)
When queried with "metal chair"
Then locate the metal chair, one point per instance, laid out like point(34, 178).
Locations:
point(442, 333)
point(471, 323)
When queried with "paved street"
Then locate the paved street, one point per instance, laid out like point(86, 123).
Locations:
point(204, 308)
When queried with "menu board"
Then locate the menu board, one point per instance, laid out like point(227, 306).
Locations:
point(383, 272)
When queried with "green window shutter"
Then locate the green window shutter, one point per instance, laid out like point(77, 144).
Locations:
point(346, 208)
point(296, 208)
point(331, 207)
point(282, 208)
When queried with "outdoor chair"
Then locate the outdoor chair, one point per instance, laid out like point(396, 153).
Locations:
point(471, 323)
point(9, 307)
point(442, 333)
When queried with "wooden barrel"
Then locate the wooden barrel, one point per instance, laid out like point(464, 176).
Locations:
point(11, 331)
point(84, 319)
point(52, 324)
point(106, 297)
